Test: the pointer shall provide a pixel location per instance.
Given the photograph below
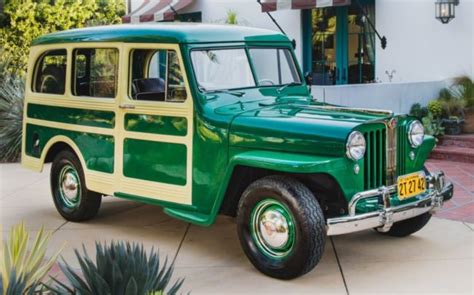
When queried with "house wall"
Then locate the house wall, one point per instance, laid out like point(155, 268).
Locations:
point(420, 48)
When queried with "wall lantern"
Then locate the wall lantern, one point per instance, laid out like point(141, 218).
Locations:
point(445, 10)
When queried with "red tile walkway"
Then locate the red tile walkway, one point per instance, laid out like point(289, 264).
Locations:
point(461, 206)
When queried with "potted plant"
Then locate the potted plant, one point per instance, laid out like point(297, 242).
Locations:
point(453, 125)
point(452, 110)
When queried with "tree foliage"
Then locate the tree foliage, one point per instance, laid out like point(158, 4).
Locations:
point(25, 20)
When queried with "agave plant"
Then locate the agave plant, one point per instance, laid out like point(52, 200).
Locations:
point(120, 268)
point(22, 268)
point(11, 116)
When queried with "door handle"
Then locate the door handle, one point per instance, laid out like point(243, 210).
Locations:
point(127, 106)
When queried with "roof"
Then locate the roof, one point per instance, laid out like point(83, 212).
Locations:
point(163, 33)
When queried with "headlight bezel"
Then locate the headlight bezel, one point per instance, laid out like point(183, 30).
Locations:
point(352, 146)
point(415, 143)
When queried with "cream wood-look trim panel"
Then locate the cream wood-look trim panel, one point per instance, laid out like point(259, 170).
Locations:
point(103, 182)
point(149, 189)
point(95, 181)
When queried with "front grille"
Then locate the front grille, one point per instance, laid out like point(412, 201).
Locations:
point(375, 157)
point(402, 147)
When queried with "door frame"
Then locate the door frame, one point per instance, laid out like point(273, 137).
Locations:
point(341, 36)
point(157, 191)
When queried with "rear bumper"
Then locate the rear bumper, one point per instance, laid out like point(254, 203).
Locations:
point(383, 219)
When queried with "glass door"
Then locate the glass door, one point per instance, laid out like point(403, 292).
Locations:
point(343, 45)
point(324, 24)
point(361, 46)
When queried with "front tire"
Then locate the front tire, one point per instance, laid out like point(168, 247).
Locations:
point(70, 195)
point(281, 227)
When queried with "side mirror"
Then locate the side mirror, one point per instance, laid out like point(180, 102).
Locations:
point(308, 78)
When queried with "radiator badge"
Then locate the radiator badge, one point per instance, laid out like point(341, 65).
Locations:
point(392, 124)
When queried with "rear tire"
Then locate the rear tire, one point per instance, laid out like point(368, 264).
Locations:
point(407, 227)
point(281, 227)
point(70, 195)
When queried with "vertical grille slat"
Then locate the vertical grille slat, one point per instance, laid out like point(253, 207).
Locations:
point(402, 149)
point(374, 160)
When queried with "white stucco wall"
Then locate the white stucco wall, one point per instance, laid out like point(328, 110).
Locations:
point(420, 48)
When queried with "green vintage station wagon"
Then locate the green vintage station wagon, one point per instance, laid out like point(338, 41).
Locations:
point(205, 120)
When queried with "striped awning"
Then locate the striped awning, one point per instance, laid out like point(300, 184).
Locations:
point(272, 5)
point(155, 11)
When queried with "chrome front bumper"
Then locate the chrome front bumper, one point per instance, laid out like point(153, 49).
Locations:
point(438, 191)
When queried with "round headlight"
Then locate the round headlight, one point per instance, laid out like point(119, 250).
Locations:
point(355, 146)
point(416, 133)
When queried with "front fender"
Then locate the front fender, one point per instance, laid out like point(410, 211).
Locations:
point(287, 162)
point(337, 167)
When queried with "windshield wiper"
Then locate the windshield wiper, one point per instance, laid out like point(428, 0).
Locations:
point(235, 93)
point(288, 85)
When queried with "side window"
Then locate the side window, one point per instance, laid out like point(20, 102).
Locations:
point(156, 76)
point(50, 74)
point(95, 72)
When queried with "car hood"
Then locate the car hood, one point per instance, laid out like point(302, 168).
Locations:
point(313, 128)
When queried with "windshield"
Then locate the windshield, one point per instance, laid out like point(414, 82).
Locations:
point(222, 69)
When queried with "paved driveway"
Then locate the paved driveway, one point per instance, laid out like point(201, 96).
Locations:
point(439, 259)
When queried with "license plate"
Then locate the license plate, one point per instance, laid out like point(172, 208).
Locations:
point(411, 185)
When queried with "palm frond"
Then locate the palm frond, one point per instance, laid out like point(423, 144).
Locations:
point(23, 267)
point(12, 90)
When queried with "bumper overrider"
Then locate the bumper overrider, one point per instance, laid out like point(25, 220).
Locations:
point(437, 192)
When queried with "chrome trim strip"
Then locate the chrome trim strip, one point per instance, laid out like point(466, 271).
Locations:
point(391, 152)
point(361, 110)
point(384, 218)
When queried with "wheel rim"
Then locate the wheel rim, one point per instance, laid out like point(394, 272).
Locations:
point(69, 187)
point(272, 228)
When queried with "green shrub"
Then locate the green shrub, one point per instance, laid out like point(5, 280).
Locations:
point(23, 267)
point(231, 18)
point(433, 126)
point(435, 108)
point(120, 268)
point(418, 111)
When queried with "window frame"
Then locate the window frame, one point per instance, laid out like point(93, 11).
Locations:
point(247, 47)
point(36, 67)
point(148, 59)
point(73, 71)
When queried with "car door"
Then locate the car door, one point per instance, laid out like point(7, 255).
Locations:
point(155, 120)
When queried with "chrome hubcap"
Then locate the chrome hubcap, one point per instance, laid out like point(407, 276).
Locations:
point(272, 228)
point(69, 186)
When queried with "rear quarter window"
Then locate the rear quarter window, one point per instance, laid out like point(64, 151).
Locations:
point(50, 72)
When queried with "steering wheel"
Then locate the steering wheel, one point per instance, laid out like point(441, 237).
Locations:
point(266, 81)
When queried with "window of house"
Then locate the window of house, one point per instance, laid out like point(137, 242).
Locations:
point(50, 74)
point(95, 72)
point(156, 76)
